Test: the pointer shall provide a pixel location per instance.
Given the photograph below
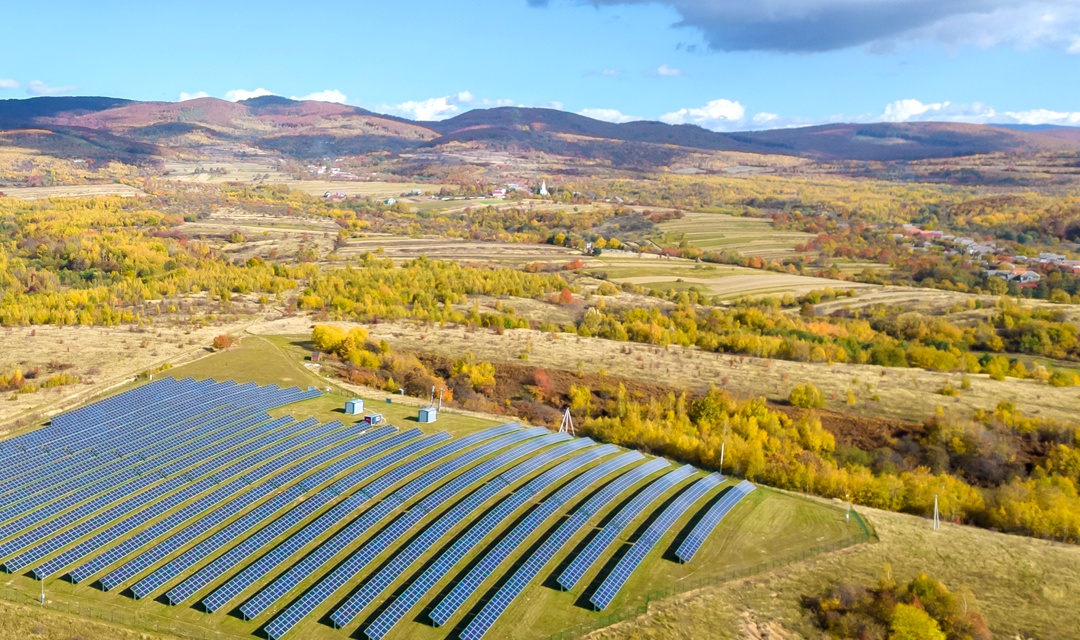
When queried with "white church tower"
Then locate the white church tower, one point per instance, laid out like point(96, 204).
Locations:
point(543, 188)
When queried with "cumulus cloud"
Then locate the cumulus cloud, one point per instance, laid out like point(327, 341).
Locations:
point(442, 107)
point(668, 72)
point(1045, 116)
point(185, 96)
point(912, 110)
point(328, 95)
point(9, 84)
point(721, 114)
point(39, 88)
point(236, 95)
point(608, 115)
point(826, 25)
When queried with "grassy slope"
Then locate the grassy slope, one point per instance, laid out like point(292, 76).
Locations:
point(1023, 586)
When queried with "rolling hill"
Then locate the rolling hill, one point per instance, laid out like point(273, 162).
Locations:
point(104, 126)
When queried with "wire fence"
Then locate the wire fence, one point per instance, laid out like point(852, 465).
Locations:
point(684, 586)
point(117, 615)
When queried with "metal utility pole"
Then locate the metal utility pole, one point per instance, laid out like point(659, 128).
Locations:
point(937, 517)
point(723, 445)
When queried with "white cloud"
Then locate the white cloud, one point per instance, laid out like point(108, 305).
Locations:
point(39, 88)
point(668, 72)
point(764, 118)
point(430, 109)
point(717, 115)
point(608, 115)
point(185, 96)
point(1074, 48)
point(1045, 116)
point(441, 107)
point(911, 110)
point(236, 95)
point(328, 95)
point(8, 83)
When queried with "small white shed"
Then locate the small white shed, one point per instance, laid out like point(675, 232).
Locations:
point(354, 407)
point(428, 414)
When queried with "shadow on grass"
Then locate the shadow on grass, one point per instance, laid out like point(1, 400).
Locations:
point(584, 600)
point(669, 552)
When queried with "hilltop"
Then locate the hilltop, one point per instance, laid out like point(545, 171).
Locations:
point(127, 129)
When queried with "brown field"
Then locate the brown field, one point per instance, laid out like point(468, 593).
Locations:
point(241, 171)
point(457, 250)
point(104, 358)
point(72, 191)
point(358, 188)
point(30, 620)
point(903, 394)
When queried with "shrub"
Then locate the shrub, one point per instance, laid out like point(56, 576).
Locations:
point(224, 341)
point(806, 396)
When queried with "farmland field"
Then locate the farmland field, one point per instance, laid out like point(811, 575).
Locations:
point(725, 281)
point(719, 232)
point(71, 191)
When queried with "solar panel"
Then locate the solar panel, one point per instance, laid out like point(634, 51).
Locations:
point(329, 549)
point(711, 519)
point(467, 586)
point(481, 529)
point(347, 570)
point(160, 498)
point(206, 458)
point(618, 523)
point(283, 551)
point(615, 580)
point(552, 544)
point(208, 503)
point(221, 514)
point(374, 547)
point(251, 544)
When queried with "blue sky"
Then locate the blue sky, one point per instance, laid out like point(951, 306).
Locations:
point(724, 64)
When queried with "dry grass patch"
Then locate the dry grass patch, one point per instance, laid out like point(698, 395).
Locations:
point(903, 394)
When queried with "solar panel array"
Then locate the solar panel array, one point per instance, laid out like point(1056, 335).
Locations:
point(190, 488)
point(283, 551)
point(480, 530)
point(536, 561)
point(693, 541)
point(467, 586)
point(618, 523)
point(615, 580)
point(372, 517)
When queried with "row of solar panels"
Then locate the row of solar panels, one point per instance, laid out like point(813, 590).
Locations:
point(254, 500)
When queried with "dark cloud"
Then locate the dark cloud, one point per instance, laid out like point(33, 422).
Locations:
point(827, 25)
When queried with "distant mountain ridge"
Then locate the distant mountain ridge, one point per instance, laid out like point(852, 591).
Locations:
point(130, 129)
